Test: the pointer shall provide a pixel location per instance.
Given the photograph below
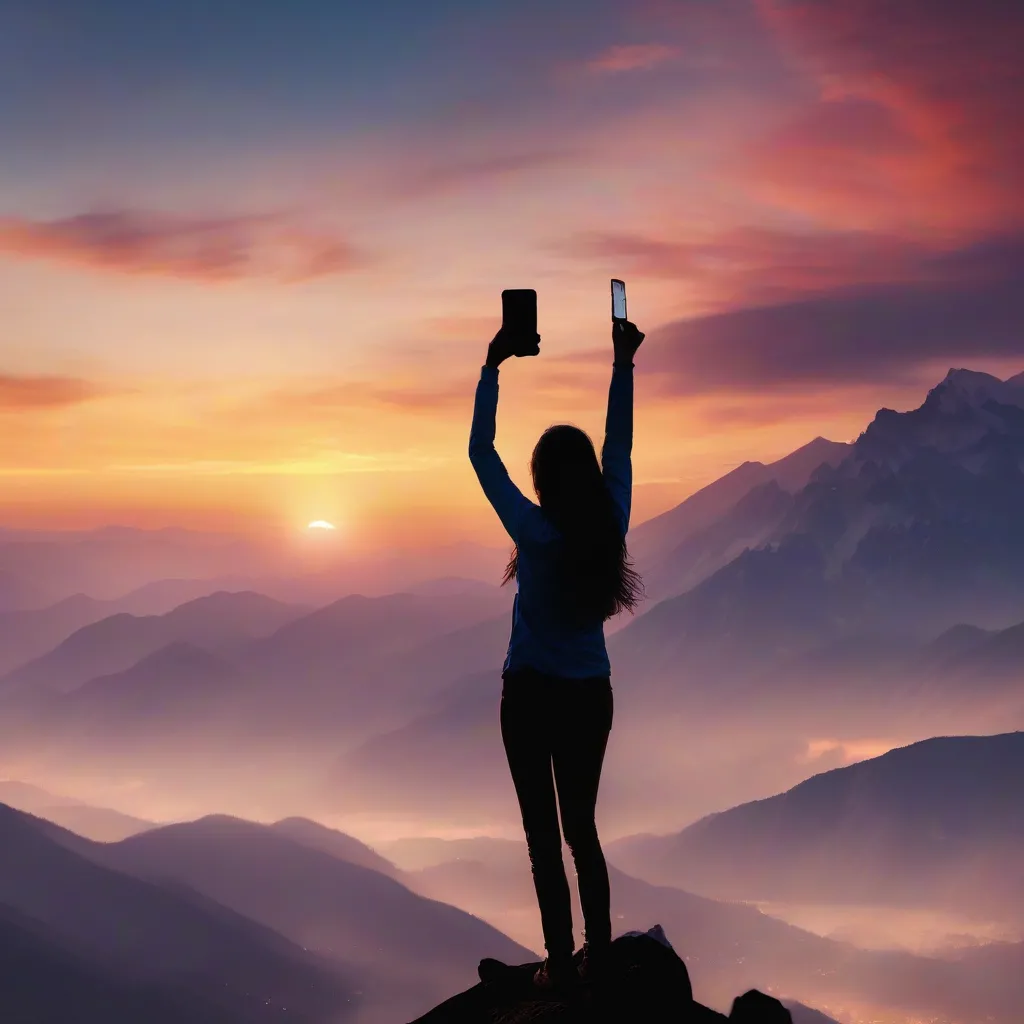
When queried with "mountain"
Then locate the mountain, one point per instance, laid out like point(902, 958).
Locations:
point(160, 596)
point(100, 823)
point(925, 517)
point(936, 824)
point(425, 676)
point(750, 523)
point(340, 673)
point(968, 415)
point(365, 664)
point(416, 853)
point(219, 622)
point(981, 654)
point(918, 528)
point(337, 844)
point(152, 935)
point(765, 605)
point(27, 634)
point(45, 980)
point(675, 535)
point(413, 947)
point(702, 508)
point(355, 629)
point(449, 586)
point(18, 593)
point(953, 644)
point(447, 760)
point(177, 687)
point(114, 560)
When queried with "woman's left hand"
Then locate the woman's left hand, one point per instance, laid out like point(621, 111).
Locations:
point(626, 339)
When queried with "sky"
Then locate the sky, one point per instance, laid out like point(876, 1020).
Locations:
point(251, 253)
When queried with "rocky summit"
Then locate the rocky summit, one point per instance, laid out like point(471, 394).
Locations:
point(645, 980)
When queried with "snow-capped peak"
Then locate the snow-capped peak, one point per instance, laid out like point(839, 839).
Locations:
point(961, 387)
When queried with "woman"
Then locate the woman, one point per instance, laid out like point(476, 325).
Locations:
point(573, 572)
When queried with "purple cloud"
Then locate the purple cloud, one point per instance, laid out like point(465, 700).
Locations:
point(198, 248)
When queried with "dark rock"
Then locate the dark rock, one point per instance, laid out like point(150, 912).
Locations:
point(755, 1007)
point(645, 981)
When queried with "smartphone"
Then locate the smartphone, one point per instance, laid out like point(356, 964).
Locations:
point(618, 299)
point(519, 317)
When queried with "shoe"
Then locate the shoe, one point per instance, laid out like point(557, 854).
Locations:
point(594, 962)
point(555, 973)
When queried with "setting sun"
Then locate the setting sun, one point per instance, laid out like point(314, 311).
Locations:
point(321, 524)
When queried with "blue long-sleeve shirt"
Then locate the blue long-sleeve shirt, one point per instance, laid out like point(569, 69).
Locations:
point(541, 639)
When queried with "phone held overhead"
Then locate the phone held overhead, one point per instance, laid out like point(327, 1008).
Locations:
point(519, 319)
point(618, 299)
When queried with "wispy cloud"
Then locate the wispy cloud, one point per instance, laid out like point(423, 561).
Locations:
point(972, 308)
point(799, 316)
point(455, 173)
point(742, 266)
point(198, 248)
point(33, 393)
point(411, 397)
point(632, 57)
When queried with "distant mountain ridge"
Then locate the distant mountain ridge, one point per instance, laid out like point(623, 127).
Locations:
point(662, 546)
point(936, 823)
point(99, 823)
point(919, 527)
point(406, 949)
point(219, 621)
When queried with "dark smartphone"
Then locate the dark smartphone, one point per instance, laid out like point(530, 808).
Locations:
point(618, 299)
point(519, 318)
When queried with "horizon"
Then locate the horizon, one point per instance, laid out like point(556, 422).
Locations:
point(286, 533)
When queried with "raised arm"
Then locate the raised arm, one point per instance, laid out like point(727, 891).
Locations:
point(616, 461)
point(507, 500)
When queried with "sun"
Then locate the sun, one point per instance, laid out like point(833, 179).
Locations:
point(321, 524)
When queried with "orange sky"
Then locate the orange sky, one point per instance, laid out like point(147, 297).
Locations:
point(223, 307)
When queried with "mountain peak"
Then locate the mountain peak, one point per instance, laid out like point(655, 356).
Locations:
point(974, 388)
point(794, 470)
point(965, 377)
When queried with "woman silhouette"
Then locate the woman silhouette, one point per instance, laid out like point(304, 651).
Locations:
point(573, 572)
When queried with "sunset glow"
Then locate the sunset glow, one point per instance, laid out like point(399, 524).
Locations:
point(210, 307)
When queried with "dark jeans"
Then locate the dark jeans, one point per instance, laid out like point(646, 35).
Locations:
point(552, 725)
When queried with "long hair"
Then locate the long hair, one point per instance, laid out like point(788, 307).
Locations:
point(594, 574)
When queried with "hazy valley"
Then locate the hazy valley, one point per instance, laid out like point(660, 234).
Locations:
point(289, 785)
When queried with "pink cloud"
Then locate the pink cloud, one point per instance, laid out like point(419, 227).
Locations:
point(451, 175)
point(633, 57)
point(917, 117)
point(755, 265)
point(431, 397)
point(198, 248)
point(19, 393)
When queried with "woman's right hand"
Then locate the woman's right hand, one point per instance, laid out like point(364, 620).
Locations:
point(499, 349)
point(626, 339)
point(505, 343)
